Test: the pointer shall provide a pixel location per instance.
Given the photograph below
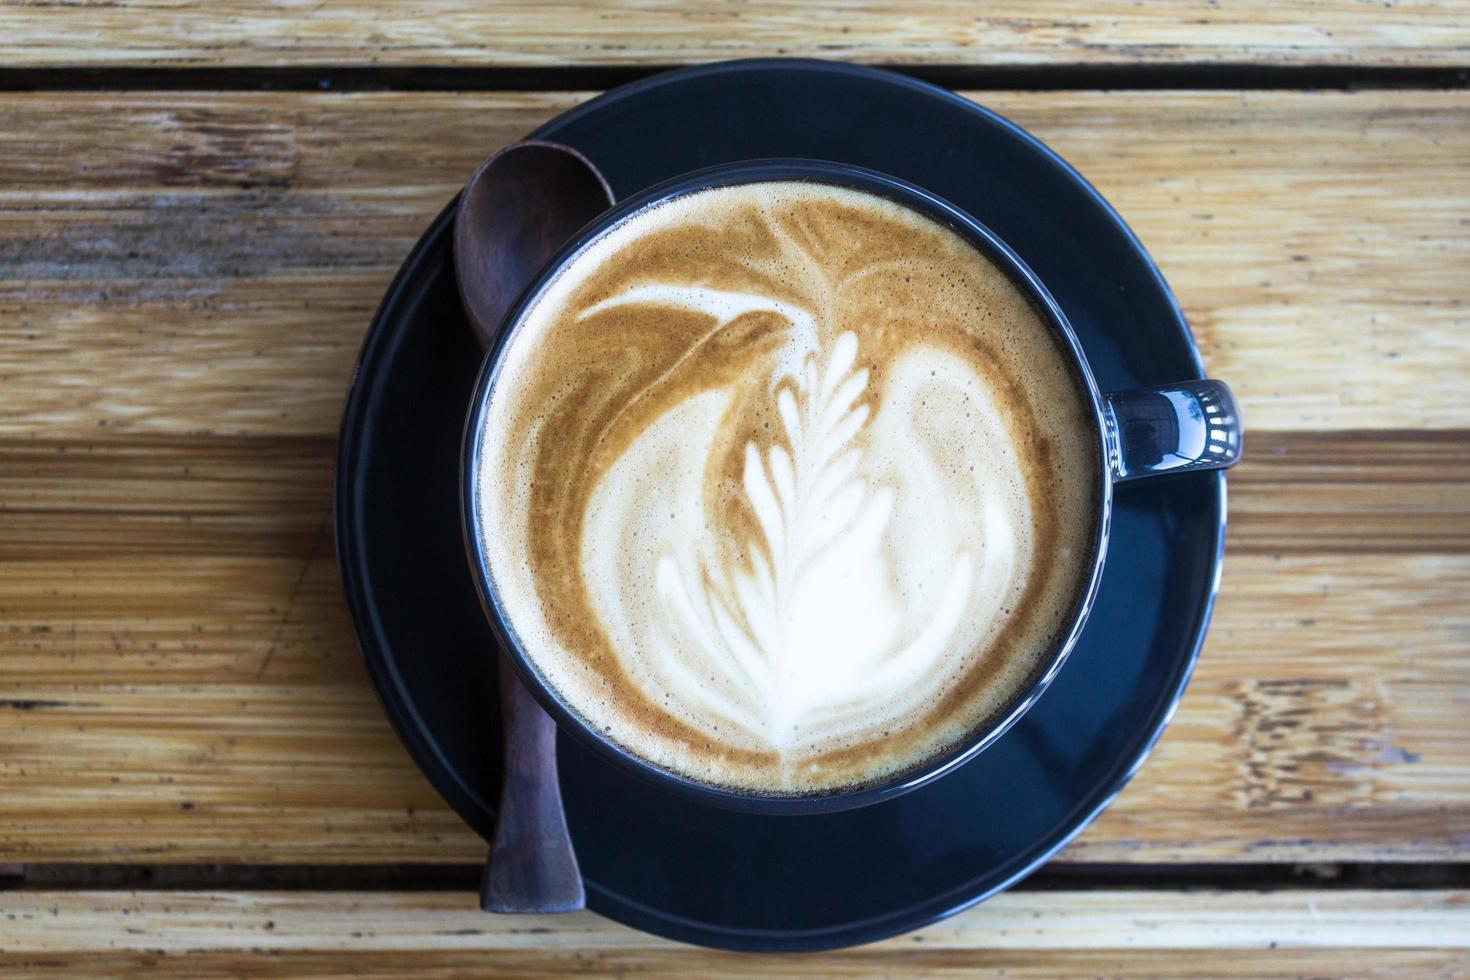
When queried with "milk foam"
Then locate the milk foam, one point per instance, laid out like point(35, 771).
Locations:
point(783, 557)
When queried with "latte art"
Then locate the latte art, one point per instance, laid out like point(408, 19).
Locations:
point(773, 487)
point(854, 585)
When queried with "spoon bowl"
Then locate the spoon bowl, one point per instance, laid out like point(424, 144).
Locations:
point(521, 205)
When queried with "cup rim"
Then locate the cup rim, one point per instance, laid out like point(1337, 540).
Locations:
point(761, 171)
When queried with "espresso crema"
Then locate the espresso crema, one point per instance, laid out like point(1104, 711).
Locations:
point(786, 487)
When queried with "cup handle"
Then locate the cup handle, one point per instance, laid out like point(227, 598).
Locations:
point(1192, 425)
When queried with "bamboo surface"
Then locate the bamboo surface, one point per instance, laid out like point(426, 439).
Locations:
point(185, 278)
point(513, 33)
point(1147, 933)
point(182, 922)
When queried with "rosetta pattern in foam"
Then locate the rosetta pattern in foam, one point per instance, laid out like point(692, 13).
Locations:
point(860, 576)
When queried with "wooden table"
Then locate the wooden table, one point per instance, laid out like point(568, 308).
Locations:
point(200, 206)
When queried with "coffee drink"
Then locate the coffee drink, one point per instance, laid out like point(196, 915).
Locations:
point(786, 487)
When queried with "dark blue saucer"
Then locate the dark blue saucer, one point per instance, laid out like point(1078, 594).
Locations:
point(735, 880)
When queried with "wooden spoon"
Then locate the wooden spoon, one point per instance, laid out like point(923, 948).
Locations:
point(518, 209)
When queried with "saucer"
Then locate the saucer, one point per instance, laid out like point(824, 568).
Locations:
point(736, 880)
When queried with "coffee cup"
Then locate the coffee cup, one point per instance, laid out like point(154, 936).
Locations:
point(787, 485)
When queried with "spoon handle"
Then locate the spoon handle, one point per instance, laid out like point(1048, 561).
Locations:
point(532, 866)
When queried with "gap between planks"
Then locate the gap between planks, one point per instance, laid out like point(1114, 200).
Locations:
point(1053, 877)
point(1121, 77)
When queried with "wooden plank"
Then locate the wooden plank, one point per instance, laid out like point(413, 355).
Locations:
point(1048, 934)
point(211, 709)
point(651, 32)
point(367, 922)
point(187, 263)
point(166, 682)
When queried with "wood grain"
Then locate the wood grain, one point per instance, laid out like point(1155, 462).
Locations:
point(1212, 922)
point(184, 280)
point(1357, 492)
point(1059, 934)
point(658, 32)
point(207, 263)
point(1326, 719)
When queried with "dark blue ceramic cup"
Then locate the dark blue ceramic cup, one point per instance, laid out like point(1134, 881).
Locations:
point(1175, 429)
